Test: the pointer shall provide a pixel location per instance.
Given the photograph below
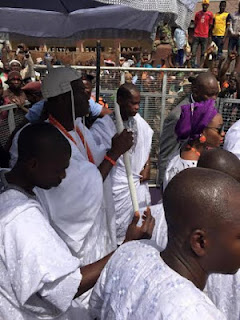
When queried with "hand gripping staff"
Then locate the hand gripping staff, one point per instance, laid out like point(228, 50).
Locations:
point(127, 163)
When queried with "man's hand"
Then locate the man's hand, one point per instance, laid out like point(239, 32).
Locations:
point(121, 143)
point(232, 56)
point(145, 231)
point(210, 50)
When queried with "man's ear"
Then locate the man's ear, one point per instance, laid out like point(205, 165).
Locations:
point(199, 242)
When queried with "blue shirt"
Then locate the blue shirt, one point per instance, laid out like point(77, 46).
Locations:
point(34, 113)
point(95, 107)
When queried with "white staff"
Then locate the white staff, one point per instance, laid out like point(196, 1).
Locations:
point(127, 163)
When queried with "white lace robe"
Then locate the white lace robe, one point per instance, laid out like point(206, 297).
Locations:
point(175, 165)
point(39, 275)
point(137, 284)
point(103, 130)
point(81, 208)
point(232, 139)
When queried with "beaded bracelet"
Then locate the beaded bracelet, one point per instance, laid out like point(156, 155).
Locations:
point(110, 160)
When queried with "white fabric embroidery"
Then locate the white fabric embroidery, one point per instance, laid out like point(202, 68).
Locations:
point(175, 165)
point(39, 276)
point(137, 284)
point(81, 208)
point(232, 139)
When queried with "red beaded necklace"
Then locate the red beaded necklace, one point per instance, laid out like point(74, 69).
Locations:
point(54, 122)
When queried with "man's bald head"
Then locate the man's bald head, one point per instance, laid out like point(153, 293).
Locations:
point(221, 160)
point(205, 87)
point(199, 191)
point(205, 78)
point(202, 213)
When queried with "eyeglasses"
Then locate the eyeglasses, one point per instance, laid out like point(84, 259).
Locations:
point(219, 130)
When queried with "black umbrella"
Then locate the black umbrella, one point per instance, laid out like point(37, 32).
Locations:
point(63, 6)
point(66, 18)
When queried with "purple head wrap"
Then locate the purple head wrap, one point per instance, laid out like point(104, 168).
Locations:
point(194, 118)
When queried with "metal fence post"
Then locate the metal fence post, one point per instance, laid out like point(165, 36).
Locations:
point(164, 93)
point(146, 106)
point(11, 121)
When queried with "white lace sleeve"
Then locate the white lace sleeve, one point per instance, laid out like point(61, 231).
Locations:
point(43, 273)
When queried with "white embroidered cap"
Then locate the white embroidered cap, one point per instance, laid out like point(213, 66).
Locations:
point(58, 81)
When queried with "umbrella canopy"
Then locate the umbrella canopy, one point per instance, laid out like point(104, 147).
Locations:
point(63, 6)
point(179, 10)
point(60, 19)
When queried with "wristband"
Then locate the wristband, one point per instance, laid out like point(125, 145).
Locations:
point(110, 160)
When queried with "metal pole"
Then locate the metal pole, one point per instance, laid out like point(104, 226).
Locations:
point(164, 92)
point(11, 121)
point(146, 107)
point(98, 70)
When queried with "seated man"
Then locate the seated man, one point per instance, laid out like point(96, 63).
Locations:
point(139, 282)
point(103, 130)
point(39, 275)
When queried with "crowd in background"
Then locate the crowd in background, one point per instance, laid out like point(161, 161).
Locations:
point(71, 215)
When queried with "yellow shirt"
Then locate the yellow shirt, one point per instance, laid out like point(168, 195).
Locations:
point(220, 24)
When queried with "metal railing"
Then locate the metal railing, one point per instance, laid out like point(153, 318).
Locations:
point(161, 90)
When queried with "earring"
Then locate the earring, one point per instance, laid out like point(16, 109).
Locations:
point(202, 139)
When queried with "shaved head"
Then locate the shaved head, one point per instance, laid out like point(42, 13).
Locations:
point(125, 91)
point(203, 79)
point(205, 87)
point(198, 197)
point(203, 217)
point(221, 160)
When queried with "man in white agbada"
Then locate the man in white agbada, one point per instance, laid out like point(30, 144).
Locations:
point(224, 290)
point(232, 139)
point(81, 208)
point(203, 222)
point(39, 275)
point(128, 98)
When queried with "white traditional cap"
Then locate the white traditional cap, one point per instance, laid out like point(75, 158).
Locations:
point(58, 81)
point(15, 61)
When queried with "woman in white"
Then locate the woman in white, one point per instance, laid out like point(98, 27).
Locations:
point(200, 127)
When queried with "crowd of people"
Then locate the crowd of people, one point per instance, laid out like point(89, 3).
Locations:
point(72, 246)
point(71, 241)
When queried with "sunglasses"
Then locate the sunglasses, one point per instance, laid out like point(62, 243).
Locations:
point(219, 129)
